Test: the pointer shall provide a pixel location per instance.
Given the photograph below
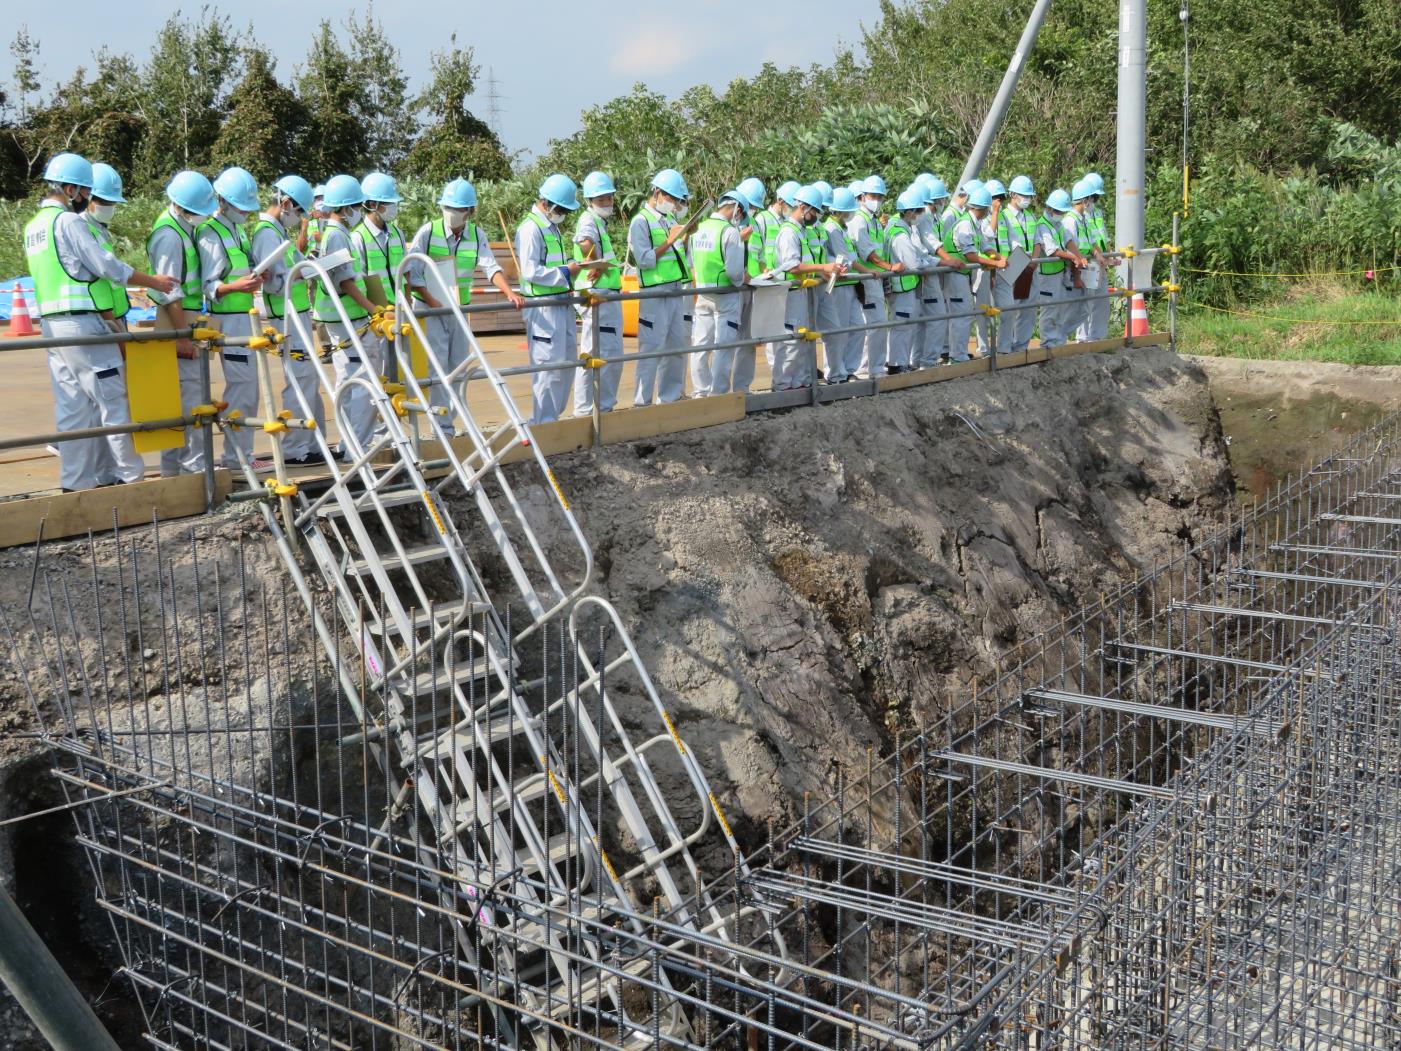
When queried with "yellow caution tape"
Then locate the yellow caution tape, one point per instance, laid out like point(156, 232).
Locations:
point(671, 727)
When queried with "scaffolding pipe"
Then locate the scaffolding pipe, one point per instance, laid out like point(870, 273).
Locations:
point(1133, 109)
point(1003, 99)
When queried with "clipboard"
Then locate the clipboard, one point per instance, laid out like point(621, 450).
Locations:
point(769, 309)
point(1019, 271)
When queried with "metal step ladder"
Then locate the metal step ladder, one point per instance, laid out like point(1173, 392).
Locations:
point(410, 607)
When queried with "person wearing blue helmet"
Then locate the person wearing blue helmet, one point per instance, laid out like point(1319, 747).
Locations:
point(316, 225)
point(106, 195)
point(717, 253)
point(1015, 228)
point(287, 304)
point(377, 238)
point(798, 258)
point(902, 295)
point(841, 307)
point(1057, 263)
point(601, 329)
point(1098, 309)
point(982, 280)
point(226, 274)
point(1085, 281)
point(868, 235)
point(656, 243)
point(965, 240)
point(89, 386)
point(547, 273)
point(170, 247)
point(932, 337)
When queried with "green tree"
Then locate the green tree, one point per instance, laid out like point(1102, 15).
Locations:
point(455, 142)
point(382, 92)
point(265, 123)
point(336, 139)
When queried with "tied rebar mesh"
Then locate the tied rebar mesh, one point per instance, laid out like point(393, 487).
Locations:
point(1171, 822)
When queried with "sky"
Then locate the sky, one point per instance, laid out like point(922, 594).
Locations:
point(549, 63)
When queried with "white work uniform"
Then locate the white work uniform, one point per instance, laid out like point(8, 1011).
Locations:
point(791, 357)
point(904, 306)
point(717, 317)
point(966, 239)
point(837, 308)
point(982, 281)
point(301, 388)
point(1014, 327)
point(931, 338)
point(601, 330)
point(550, 330)
point(1098, 309)
point(361, 356)
point(88, 382)
point(871, 296)
point(1077, 230)
point(166, 252)
point(447, 340)
point(240, 366)
point(662, 324)
point(958, 294)
point(1050, 288)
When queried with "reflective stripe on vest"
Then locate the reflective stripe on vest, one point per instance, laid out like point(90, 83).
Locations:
point(612, 278)
point(804, 247)
point(771, 222)
point(464, 255)
point(1055, 264)
point(237, 252)
point(848, 251)
point(951, 228)
point(554, 257)
point(1082, 231)
point(382, 263)
point(877, 235)
point(670, 267)
point(817, 242)
point(1013, 232)
point(192, 298)
point(902, 282)
point(323, 307)
point(57, 291)
point(315, 230)
point(1099, 231)
point(301, 298)
point(707, 253)
point(108, 295)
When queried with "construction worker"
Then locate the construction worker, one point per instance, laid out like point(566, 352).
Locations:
point(1015, 228)
point(796, 260)
point(655, 241)
point(340, 304)
point(377, 239)
point(106, 195)
point(839, 308)
point(548, 272)
point(284, 219)
point(1097, 309)
point(601, 333)
point(454, 236)
point(902, 293)
point(777, 212)
point(316, 225)
point(1052, 281)
point(718, 255)
point(755, 237)
point(965, 240)
point(931, 344)
point(958, 292)
point(983, 280)
point(89, 388)
point(226, 274)
point(1077, 240)
point(170, 247)
point(868, 235)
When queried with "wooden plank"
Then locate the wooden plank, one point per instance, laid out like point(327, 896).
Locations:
point(628, 425)
point(552, 439)
point(76, 514)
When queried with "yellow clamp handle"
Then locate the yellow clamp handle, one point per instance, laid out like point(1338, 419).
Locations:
point(810, 335)
point(809, 282)
point(990, 311)
point(1171, 249)
point(281, 488)
point(1173, 289)
point(201, 411)
point(393, 388)
point(274, 426)
point(259, 343)
point(206, 335)
point(396, 402)
point(1128, 252)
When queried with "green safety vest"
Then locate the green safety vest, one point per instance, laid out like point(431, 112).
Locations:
point(877, 234)
point(612, 278)
point(1053, 265)
point(804, 246)
point(754, 247)
point(238, 252)
point(301, 298)
point(464, 256)
point(951, 245)
point(554, 256)
point(323, 307)
point(315, 230)
point(108, 295)
point(382, 263)
point(57, 291)
point(901, 282)
point(1099, 231)
point(670, 267)
point(848, 249)
point(1014, 232)
point(1083, 234)
point(772, 221)
point(817, 242)
point(706, 253)
point(192, 298)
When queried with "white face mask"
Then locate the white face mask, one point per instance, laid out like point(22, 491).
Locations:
point(871, 204)
point(557, 215)
point(103, 212)
point(603, 211)
point(665, 207)
point(291, 218)
point(455, 218)
point(389, 210)
point(238, 218)
point(353, 217)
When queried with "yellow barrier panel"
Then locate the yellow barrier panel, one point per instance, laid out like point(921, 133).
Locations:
point(153, 392)
point(418, 357)
point(630, 306)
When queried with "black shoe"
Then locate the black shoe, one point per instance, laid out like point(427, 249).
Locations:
point(311, 459)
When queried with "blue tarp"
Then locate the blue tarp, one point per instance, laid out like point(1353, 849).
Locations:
point(134, 316)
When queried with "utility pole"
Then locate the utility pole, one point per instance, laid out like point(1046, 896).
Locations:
point(1133, 117)
point(1003, 98)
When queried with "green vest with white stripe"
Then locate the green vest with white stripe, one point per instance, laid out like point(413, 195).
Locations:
point(1054, 264)
point(323, 306)
point(769, 228)
point(192, 297)
point(464, 256)
point(57, 291)
point(901, 282)
point(239, 253)
point(1014, 232)
point(382, 263)
point(108, 295)
point(554, 257)
point(804, 246)
point(612, 278)
point(670, 267)
point(301, 298)
point(848, 248)
point(707, 253)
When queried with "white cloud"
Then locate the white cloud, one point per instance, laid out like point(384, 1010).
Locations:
point(650, 52)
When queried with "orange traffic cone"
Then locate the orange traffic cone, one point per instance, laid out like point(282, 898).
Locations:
point(1138, 317)
point(21, 324)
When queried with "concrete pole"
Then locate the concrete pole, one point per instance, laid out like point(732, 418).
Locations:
point(1133, 117)
point(1004, 92)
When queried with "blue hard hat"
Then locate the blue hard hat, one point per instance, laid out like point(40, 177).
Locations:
point(69, 169)
point(297, 188)
point(788, 193)
point(1096, 181)
point(739, 197)
point(873, 184)
point(107, 184)
point(857, 187)
point(978, 197)
point(826, 189)
point(970, 186)
point(995, 188)
point(1082, 189)
point(924, 177)
point(458, 194)
point(596, 184)
point(810, 195)
point(342, 191)
point(1022, 185)
point(319, 191)
point(911, 200)
point(669, 181)
point(754, 192)
point(239, 188)
point(193, 192)
point(843, 200)
point(1058, 201)
point(560, 190)
point(937, 190)
point(380, 187)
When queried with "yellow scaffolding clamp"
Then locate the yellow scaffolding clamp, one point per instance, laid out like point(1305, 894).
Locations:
point(206, 335)
point(591, 363)
point(811, 335)
point(990, 311)
point(280, 489)
point(1172, 249)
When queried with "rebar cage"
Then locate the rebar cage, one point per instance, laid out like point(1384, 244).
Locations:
point(1172, 821)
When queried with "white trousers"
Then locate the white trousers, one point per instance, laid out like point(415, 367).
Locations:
point(904, 306)
point(240, 382)
point(958, 298)
point(876, 342)
point(89, 390)
point(983, 298)
point(742, 378)
point(1097, 316)
point(449, 346)
point(856, 341)
point(1050, 293)
point(932, 341)
point(606, 342)
point(834, 311)
point(661, 325)
point(356, 415)
point(1075, 313)
point(188, 457)
point(717, 320)
point(299, 375)
point(551, 336)
point(793, 358)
